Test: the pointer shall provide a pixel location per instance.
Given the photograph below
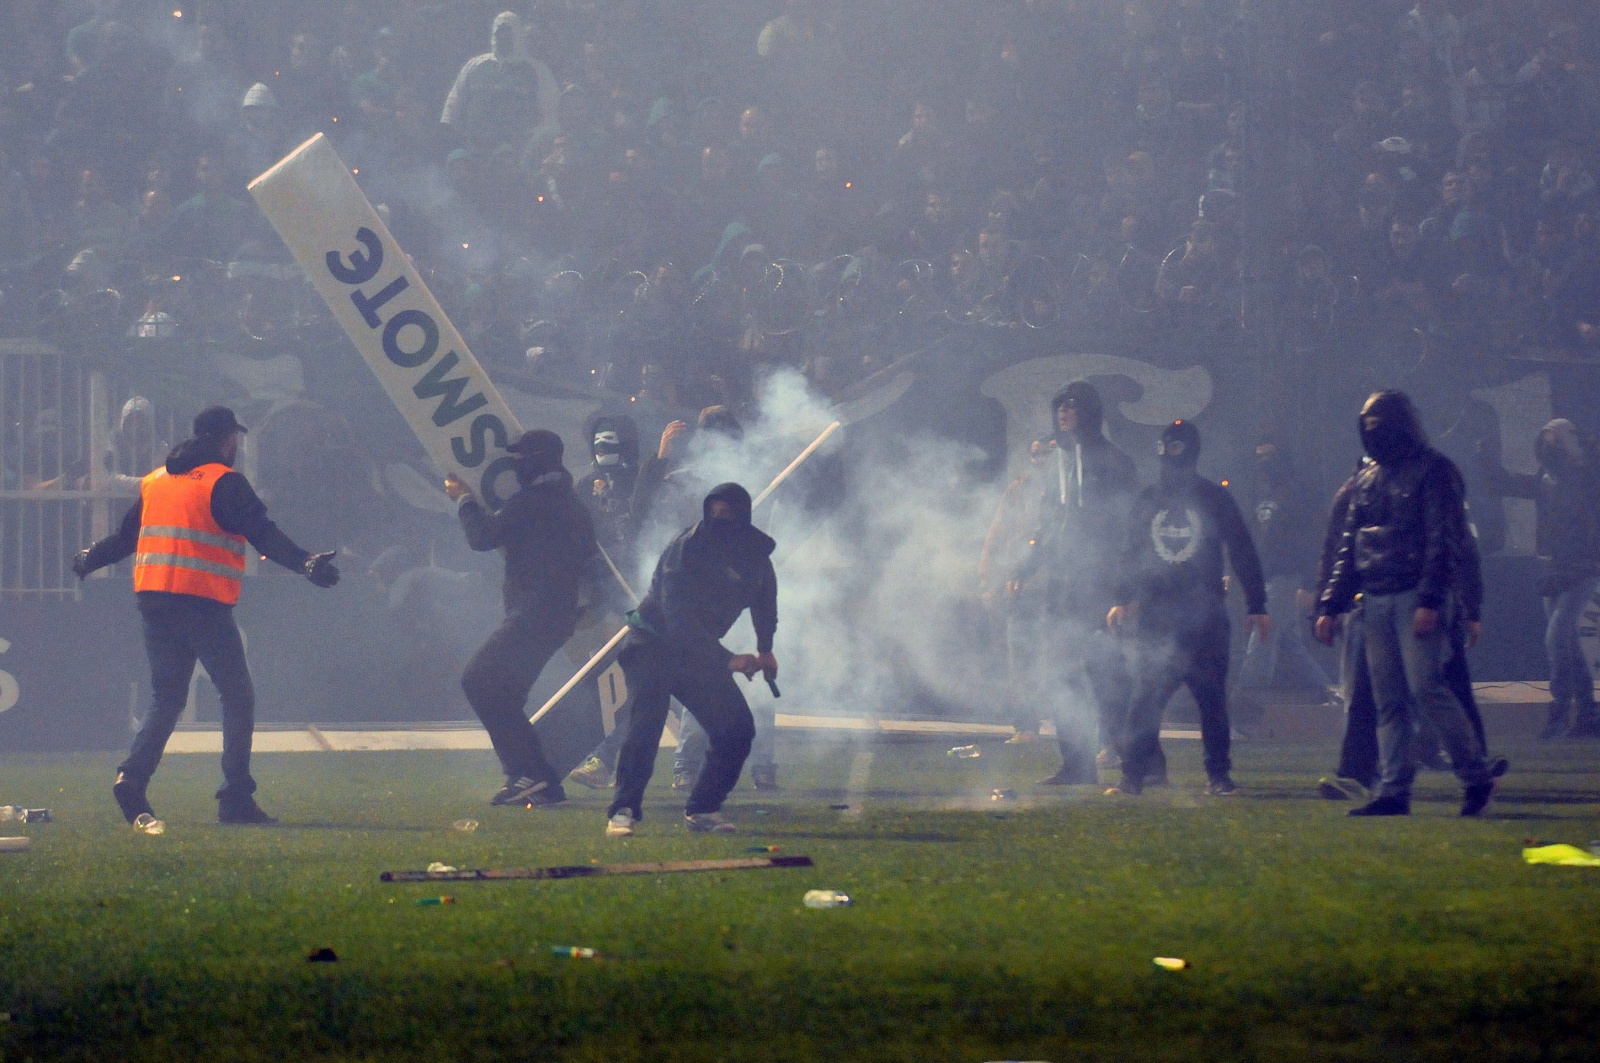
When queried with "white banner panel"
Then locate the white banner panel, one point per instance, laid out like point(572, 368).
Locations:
point(313, 201)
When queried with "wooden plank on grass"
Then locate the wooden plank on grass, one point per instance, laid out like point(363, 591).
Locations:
point(745, 863)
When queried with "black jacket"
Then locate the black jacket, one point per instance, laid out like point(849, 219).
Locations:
point(234, 506)
point(549, 546)
point(1469, 589)
point(703, 582)
point(1172, 565)
point(1082, 525)
point(1405, 529)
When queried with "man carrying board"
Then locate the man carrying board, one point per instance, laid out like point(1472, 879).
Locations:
point(548, 541)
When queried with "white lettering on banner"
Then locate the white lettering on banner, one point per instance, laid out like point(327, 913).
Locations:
point(10, 689)
point(613, 695)
point(314, 203)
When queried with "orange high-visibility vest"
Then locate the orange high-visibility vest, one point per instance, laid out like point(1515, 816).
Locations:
point(182, 549)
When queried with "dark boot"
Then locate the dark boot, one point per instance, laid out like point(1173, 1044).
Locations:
point(1555, 724)
point(243, 810)
point(1585, 722)
point(129, 793)
point(1383, 806)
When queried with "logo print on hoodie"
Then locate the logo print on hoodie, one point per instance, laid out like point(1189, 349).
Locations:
point(1176, 543)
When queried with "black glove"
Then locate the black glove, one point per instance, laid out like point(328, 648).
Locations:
point(320, 571)
point(80, 564)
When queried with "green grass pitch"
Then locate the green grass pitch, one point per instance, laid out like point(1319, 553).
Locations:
point(1020, 930)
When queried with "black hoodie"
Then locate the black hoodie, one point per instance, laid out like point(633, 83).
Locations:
point(707, 576)
point(1087, 486)
point(234, 506)
point(607, 490)
point(1406, 526)
point(549, 546)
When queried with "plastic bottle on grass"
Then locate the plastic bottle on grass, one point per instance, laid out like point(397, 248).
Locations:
point(965, 753)
point(826, 899)
point(576, 952)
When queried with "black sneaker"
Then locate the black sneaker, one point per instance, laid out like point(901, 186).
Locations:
point(129, 793)
point(1383, 806)
point(1222, 786)
point(245, 812)
point(1064, 777)
point(1498, 766)
point(523, 790)
point(1475, 798)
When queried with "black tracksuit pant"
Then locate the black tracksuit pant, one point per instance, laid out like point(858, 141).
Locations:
point(180, 629)
point(656, 674)
point(497, 681)
point(1186, 647)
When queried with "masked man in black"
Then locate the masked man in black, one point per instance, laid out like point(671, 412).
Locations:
point(1077, 666)
point(1172, 592)
point(549, 546)
point(706, 578)
point(1566, 492)
point(1406, 551)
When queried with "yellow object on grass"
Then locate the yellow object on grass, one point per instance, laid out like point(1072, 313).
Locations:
point(1569, 855)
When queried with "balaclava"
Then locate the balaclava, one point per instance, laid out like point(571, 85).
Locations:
point(1179, 450)
point(1395, 431)
point(735, 496)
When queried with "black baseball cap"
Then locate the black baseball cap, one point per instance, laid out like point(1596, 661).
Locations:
point(538, 443)
point(214, 422)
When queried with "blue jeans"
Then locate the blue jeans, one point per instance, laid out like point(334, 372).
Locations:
point(1282, 659)
point(1571, 681)
point(1408, 681)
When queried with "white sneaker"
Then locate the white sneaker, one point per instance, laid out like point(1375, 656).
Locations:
point(708, 823)
point(620, 825)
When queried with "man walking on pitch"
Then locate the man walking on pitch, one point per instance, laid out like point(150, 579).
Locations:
point(1173, 599)
point(706, 578)
point(548, 541)
point(187, 535)
point(1405, 550)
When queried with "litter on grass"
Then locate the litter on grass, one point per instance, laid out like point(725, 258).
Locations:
point(436, 900)
point(465, 826)
point(437, 868)
point(1565, 855)
point(1171, 963)
point(323, 955)
point(576, 952)
point(444, 873)
point(826, 899)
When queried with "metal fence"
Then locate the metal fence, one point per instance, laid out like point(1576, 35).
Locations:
point(69, 463)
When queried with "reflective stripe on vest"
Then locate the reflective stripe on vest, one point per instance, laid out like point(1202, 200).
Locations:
point(182, 549)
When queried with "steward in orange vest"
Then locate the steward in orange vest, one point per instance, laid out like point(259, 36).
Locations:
point(187, 535)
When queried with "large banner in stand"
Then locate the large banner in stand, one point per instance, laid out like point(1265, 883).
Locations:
point(351, 259)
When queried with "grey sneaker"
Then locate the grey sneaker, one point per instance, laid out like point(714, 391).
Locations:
point(708, 823)
point(591, 773)
point(1222, 786)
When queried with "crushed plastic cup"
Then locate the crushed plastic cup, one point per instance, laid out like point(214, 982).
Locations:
point(148, 824)
point(826, 899)
point(965, 753)
point(1171, 963)
point(465, 826)
point(439, 868)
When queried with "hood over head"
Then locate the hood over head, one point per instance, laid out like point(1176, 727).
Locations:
point(720, 419)
point(1558, 445)
point(1084, 397)
point(735, 496)
point(519, 46)
point(1391, 429)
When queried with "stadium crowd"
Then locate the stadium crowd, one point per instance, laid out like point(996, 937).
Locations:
point(661, 199)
